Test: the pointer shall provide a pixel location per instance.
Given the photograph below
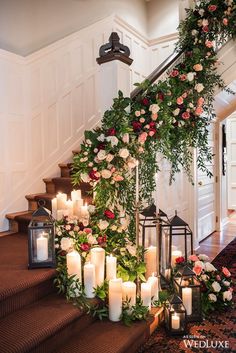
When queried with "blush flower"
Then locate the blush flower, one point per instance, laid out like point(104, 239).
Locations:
point(225, 21)
point(186, 115)
point(179, 100)
point(209, 44)
point(174, 73)
point(193, 258)
point(226, 272)
point(212, 8)
point(143, 137)
point(197, 270)
point(198, 67)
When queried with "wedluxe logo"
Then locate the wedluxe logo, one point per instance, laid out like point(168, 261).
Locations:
point(204, 343)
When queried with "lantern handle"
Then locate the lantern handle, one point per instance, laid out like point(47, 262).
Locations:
point(41, 203)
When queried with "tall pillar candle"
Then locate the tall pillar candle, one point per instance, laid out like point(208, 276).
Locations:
point(187, 299)
point(54, 207)
point(61, 214)
point(115, 299)
point(69, 206)
point(77, 204)
point(150, 257)
point(98, 260)
point(61, 201)
point(89, 280)
point(110, 267)
point(42, 247)
point(154, 287)
point(75, 195)
point(73, 262)
point(146, 294)
point(129, 293)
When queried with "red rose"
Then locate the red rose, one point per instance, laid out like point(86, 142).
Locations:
point(205, 29)
point(136, 125)
point(85, 247)
point(212, 8)
point(101, 146)
point(160, 96)
point(109, 214)
point(179, 260)
point(63, 253)
point(92, 175)
point(152, 124)
point(81, 226)
point(102, 240)
point(111, 131)
point(145, 101)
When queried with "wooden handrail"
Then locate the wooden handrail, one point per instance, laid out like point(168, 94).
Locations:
point(157, 72)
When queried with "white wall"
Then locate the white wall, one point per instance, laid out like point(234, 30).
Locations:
point(28, 25)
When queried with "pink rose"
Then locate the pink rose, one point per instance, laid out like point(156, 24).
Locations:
point(174, 73)
point(151, 133)
point(142, 138)
point(185, 95)
point(137, 113)
point(226, 272)
point(200, 101)
point(197, 270)
point(198, 67)
point(179, 100)
point(198, 111)
point(208, 44)
point(231, 289)
point(186, 115)
point(85, 247)
point(218, 278)
point(193, 258)
point(88, 230)
point(118, 177)
point(212, 8)
point(142, 120)
point(225, 21)
point(154, 116)
point(183, 77)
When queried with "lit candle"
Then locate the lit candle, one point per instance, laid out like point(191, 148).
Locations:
point(115, 299)
point(75, 195)
point(187, 299)
point(61, 214)
point(73, 262)
point(54, 208)
point(150, 256)
point(77, 204)
point(98, 260)
point(129, 292)
point(84, 212)
point(61, 201)
point(146, 294)
point(69, 206)
point(174, 255)
point(154, 287)
point(42, 247)
point(89, 280)
point(110, 267)
point(175, 322)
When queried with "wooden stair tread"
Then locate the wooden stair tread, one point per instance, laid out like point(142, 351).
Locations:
point(44, 196)
point(12, 216)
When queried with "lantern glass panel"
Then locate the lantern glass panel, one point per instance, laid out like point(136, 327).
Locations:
point(175, 318)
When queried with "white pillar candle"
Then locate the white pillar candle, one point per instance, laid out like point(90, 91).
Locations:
point(187, 299)
point(110, 267)
point(89, 280)
point(73, 262)
point(84, 211)
point(54, 208)
point(154, 287)
point(61, 201)
point(98, 260)
point(150, 260)
point(146, 294)
point(75, 195)
point(77, 204)
point(42, 247)
point(129, 292)
point(174, 255)
point(115, 299)
point(175, 321)
point(61, 214)
point(69, 206)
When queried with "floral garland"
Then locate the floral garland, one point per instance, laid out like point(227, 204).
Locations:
point(170, 117)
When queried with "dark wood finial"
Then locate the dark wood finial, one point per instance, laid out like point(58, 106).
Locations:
point(114, 50)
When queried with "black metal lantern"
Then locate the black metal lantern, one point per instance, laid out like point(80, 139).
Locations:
point(147, 220)
point(176, 228)
point(41, 247)
point(175, 316)
point(188, 288)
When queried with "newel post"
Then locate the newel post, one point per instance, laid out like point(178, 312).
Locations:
point(114, 72)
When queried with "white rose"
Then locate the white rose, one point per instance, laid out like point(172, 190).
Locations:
point(154, 108)
point(194, 32)
point(66, 243)
point(92, 240)
point(216, 287)
point(124, 153)
point(102, 225)
point(212, 297)
point(125, 138)
point(101, 138)
point(190, 76)
point(106, 174)
point(89, 142)
point(109, 157)
point(204, 277)
point(113, 140)
point(101, 155)
point(227, 296)
point(132, 163)
point(85, 177)
point(201, 12)
point(226, 283)
point(91, 209)
point(113, 227)
point(209, 267)
point(176, 112)
point(199, 87)
point(203, 257)
point(205, 22)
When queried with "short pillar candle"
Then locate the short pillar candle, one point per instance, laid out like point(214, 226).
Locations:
point(110, 267)
point(115, 299)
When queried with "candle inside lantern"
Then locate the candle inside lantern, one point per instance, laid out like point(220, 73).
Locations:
point(89, 280)
point(115, 299)
point(150, 257)
point(175, 321)
point(98, 260)
point(110, 267)
point(154, 287)
point(42, 247)
point(129, 293)
point(61, 201)
point(54, 207)
point(174, 255)
point(73, 262)
point(146, 294)
point(187, 299)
